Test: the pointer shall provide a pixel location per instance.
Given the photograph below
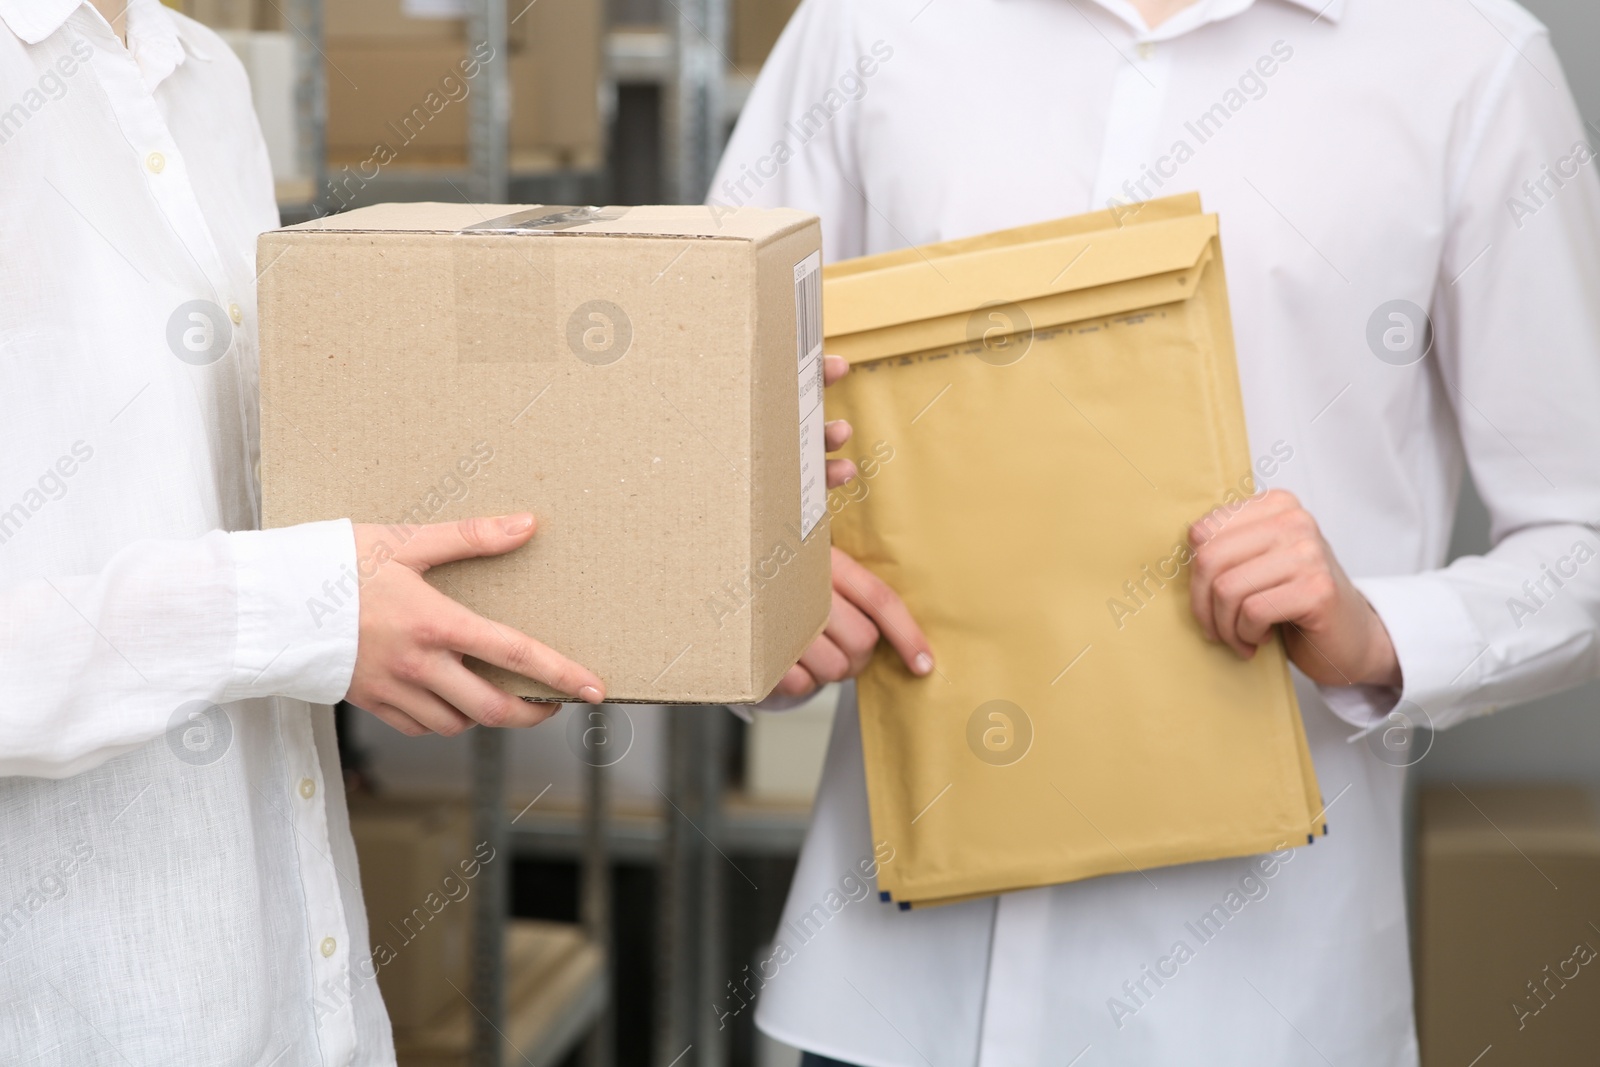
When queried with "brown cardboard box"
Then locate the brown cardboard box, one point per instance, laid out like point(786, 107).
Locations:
point(407, 90)
point(418, 870)
point(221, 14)
point(629, 375)
point(391, 20)
point(398, 102)
point(555, 987)
point(756, 26)
point(1508, 897)
point(556, 68)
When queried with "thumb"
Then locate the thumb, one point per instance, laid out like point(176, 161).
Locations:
point(445, 542)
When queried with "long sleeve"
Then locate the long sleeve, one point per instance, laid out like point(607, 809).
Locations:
point(1517, 339)
point(94, 665)
point(793, 145)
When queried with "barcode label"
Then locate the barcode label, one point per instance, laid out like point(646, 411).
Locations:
point(808, 351)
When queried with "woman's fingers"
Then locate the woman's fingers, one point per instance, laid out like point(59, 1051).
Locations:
point(485, 702)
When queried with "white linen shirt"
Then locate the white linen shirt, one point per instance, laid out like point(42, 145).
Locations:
point(177, 879)
point(1357, 153)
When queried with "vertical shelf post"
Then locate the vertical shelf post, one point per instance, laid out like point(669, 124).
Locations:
point(489, 911)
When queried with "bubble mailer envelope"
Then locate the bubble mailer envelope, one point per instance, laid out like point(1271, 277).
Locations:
point(1057, 404)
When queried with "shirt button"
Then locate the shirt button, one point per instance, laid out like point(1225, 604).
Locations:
point(155, 162)
point(329, 946)
point(1146, 50)
point(308, 788)
point(235, 314)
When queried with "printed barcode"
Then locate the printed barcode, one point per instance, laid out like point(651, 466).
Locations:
point(808, 313)
point(808, 339)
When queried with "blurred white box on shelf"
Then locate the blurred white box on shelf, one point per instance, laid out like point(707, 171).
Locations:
point(784, 750)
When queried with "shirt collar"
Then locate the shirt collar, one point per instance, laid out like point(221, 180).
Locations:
point(153, 35)
point(1205, 11)
point(34, 20)
point(154, 41)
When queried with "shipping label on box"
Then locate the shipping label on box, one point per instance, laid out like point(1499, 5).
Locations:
point(641, 379)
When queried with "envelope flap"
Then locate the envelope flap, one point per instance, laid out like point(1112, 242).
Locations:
point(959, 283)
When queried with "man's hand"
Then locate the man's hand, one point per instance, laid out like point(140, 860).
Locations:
point(1267, 564)
point(408, 661)
point(864, 608)
point(837, 432)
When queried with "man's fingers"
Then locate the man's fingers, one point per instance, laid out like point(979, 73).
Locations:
point(445, 542)
point(885, 608)
point(835, 434)
point(516, 651)
point(840, 472)
point(1233, 587)
point(852, 632)
point(824, 660)
point(797, 682)
point(1234, 546)
point(1228, 551)
point(834, 368)
point(1269, 505)
point(485, 702)
point(1303, 602)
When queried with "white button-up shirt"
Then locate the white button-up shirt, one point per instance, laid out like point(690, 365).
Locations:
point(171, 889)
point(1368, 159)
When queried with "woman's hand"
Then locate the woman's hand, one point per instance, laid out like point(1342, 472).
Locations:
point(408, 661)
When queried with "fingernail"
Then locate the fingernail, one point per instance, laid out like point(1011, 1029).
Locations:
point(590, 693)
point(923, 663)
point(516, 524)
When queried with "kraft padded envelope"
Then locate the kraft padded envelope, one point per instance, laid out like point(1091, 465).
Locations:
point(1062, 402)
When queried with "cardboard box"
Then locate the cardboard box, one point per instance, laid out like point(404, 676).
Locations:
point(410, 98)
point(635, 377)
point(393, 20)
point(418, 902)
point(555, 990)
point(1508, 952)
point(221, 14)
point(556, 68)
point(756, 26)
point(409, 92)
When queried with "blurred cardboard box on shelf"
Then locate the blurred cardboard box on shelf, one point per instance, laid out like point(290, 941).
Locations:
point(401, 102)
point(418, 869)
point(556, 68)
point(756, 26)
point(1508, 951)
point(221, 14)
point(401, 80)
point(555, 989)
point(394, 20)
point(647, 381)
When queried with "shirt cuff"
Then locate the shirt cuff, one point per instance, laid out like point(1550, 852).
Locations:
point(1434, 640)
point(298, 612)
